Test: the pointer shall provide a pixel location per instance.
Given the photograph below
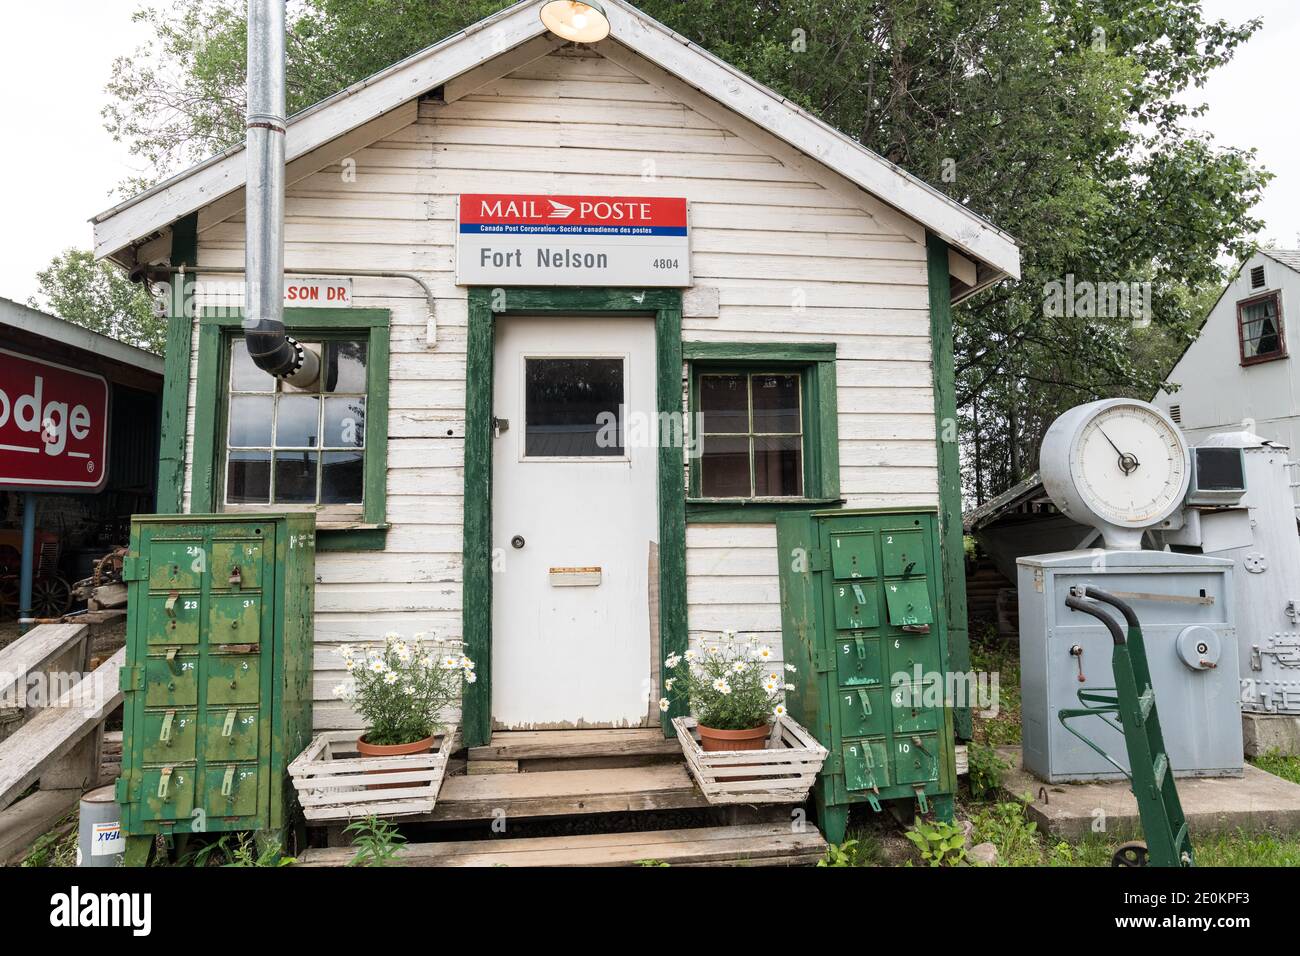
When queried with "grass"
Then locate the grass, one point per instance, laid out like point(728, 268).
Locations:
point(1279, 765)
point(991, 656)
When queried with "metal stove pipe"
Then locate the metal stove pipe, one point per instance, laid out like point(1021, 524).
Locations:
point(269, 346)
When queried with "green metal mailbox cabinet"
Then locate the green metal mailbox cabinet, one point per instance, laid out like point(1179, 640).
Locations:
point(861, 599)
point(218, 675)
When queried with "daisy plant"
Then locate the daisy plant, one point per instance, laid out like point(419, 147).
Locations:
point(400, 686)
point(730, 683)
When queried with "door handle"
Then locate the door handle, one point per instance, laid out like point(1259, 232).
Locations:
point(517, 542)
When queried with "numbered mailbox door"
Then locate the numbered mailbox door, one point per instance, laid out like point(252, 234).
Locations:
point(231, 790)
point(866, 764)
point(176, 565)
point(168, 793)
point(856, 605)
point(173, 618)
point(858, 660)
point(233, 679)
point(853, 555)
point(916, 758)
point(231, 734)
point(904, 553)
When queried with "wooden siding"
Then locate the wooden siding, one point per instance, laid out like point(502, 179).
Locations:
point(796, 252)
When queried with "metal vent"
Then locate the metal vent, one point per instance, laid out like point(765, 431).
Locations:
point(1176, 413)
point(1257, 277)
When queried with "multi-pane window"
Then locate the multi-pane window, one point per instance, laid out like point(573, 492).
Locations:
point(572, 407)
point(751, 434)
point(291, 446)
point(1259, 323)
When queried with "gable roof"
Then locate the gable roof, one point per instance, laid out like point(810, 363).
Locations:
point(1288, 257)
point(142, 216)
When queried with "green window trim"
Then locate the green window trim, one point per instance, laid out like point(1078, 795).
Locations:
point(665, 305)
point(216, 328)
point(815, 362)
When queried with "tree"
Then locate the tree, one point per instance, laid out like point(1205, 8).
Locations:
point(1063, 121)
point(99, 296)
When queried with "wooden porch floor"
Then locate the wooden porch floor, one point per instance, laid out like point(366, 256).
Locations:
point(763, 844)
point(535, 775)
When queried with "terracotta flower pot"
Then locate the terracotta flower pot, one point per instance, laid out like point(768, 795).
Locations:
point(392, 750)
point(752, 739)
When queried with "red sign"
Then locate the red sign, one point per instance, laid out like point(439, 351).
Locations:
point(591, 215)
point(53, 426)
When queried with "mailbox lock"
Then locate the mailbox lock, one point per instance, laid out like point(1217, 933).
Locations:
point(517, 542)
point(236, 577)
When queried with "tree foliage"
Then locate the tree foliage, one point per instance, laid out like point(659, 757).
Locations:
point(1062, 121)
point(99, 296)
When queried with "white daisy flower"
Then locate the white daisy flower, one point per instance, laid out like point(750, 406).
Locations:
point(663, 703)
point(720, 685)
point(349, 664)
point(672, 660)
point(466, 663)
point(764, 653)
point(771, 687)
point(668, 684)
point(790, 668)
point(789, 686)
point(690, 656)
point(450, 663)
point(392, 636)
point(426, 661)
point(470, 677)
point(779, 710)
point(340, 690)
point(740, 667)
point(345, 650)
point(390, 678)
point(378, 666)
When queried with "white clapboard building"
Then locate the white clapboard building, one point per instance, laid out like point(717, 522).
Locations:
point(504, 233)
point(1239, 373)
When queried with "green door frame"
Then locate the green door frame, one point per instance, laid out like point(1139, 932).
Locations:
point(485, 305)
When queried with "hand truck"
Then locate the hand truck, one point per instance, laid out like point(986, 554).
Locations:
point(1132, 702)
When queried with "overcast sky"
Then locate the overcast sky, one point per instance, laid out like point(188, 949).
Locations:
point(58, 166)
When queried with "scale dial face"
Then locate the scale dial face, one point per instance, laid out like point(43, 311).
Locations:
point(1129, 465)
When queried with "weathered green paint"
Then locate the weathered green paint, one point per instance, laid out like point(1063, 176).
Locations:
point(176, 370)
point(945, 414)
point(217, 327)
point(815, 361)
point(484, 305)
point(228, 708)
point(846, 611)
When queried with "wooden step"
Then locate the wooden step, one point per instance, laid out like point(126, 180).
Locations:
point(556, 744)
point(753, 845)
point(565, 792)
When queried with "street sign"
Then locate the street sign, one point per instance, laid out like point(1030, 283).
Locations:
point(510, 239)
point(53, 426)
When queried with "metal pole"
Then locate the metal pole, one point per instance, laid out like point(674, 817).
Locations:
point(28, 562)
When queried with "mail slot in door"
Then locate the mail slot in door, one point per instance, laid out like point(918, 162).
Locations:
point(904, 553)
point(856, 605)
point(236, 618)
point(909, 603)
point(858, 661)
point(231, 733)
point(230, 790)
point(174, 617)
point(233, 679)
point(853, 555)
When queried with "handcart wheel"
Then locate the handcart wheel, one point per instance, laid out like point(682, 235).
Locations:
point(1130, 854)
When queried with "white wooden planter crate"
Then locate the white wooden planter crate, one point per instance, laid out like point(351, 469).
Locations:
point(333, 782)
point(783, 772)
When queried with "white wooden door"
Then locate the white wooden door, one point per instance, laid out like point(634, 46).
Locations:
point(574, 510)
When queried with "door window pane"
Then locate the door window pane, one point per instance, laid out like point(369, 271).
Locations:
point(572, 407)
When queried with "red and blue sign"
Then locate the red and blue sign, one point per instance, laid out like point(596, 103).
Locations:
point(518, 239)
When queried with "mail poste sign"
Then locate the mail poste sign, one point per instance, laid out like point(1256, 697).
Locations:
point(509, 239)
point(53, 426)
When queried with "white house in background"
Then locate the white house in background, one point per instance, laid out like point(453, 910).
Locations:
point(1242, 367)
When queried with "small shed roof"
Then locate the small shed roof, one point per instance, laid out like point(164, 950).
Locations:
point(497, 36)
point(51, 327)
